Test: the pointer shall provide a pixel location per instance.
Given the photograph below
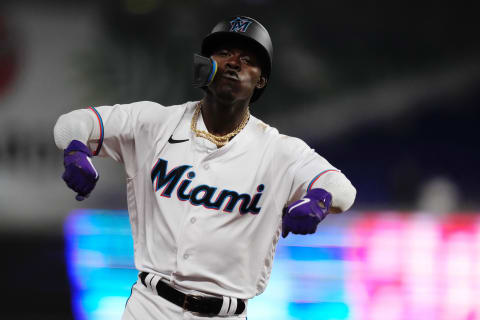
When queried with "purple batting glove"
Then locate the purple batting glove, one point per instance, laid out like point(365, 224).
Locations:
point(303, 216)
point(80, 174)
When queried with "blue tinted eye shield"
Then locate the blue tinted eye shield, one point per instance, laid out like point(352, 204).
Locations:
point(204, 70)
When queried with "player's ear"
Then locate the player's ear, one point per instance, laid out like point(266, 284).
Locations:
point(262, 82)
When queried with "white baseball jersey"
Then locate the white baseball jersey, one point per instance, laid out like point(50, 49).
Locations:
point(205, 218)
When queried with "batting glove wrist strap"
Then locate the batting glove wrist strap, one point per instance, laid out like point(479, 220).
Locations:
point(303, 216)
point(204, 70)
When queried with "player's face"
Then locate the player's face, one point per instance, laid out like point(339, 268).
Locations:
point(238, 74)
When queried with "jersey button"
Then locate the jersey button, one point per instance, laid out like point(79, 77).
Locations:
point(185, 256)
point(193, 220)
point(206, 166)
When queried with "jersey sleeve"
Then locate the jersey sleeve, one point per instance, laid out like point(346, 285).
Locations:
point(310, 170)
point(113, 134)
point(123, 132)
point(128, 133)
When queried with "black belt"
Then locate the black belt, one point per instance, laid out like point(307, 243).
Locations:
point(198, 304)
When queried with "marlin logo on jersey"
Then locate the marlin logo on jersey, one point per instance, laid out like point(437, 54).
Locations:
point(202, 194)
point(240, 24)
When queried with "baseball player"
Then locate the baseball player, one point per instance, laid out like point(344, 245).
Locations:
point(210, 188)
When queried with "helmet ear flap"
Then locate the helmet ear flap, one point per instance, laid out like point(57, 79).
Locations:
point(204, 70)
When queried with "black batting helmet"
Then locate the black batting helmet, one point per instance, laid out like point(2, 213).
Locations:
point(246, 29)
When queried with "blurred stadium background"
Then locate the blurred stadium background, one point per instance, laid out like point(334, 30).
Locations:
point(387, 91)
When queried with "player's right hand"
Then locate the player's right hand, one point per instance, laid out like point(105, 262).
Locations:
point(80, 175)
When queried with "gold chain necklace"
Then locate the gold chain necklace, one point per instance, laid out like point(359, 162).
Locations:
point(219, 141)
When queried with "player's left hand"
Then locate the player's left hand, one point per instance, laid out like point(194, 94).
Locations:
point(304, 215)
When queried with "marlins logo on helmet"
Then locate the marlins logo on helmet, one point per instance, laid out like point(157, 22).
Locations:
point(240, 24)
